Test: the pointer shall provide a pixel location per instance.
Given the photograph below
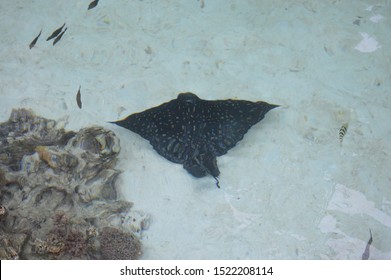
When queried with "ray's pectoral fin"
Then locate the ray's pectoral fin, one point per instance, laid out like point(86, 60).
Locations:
point(202, 165)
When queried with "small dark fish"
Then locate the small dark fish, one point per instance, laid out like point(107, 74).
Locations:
point(58, 38)
point(78, 98)
point(93, 4)
point(55, 33)
point(32, 44)
point(342, 131)
point(365, 255)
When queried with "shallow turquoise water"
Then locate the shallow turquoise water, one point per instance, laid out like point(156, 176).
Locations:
point(290, 189)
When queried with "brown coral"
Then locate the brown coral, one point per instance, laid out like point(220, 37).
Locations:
point(119, 245)
point(76, 244)
point(56, 158)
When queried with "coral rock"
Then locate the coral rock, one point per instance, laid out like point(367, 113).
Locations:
point(58, 192)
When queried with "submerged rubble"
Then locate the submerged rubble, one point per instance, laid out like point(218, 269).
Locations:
point(58, 198)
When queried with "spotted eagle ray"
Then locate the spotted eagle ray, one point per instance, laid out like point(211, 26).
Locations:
point(193, 132)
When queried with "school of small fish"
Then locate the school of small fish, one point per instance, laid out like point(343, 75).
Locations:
point(55, 33)
point(56, 37)
point(58, 33)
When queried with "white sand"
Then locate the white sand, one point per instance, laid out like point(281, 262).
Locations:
point(288, 190)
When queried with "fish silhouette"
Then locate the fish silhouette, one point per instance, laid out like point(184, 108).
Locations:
point(32, 44)
point(93, 4)
point(78, 98)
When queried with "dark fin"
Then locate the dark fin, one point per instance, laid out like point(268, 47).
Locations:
point(93, 4)
point(59, 36)
point(55, 33)
point(32, 44)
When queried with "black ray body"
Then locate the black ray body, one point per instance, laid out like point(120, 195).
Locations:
point(193, 132)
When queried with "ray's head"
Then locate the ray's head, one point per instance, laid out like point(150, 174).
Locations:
point(188, 97)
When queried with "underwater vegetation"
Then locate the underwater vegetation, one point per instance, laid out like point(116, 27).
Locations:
point(58, 198)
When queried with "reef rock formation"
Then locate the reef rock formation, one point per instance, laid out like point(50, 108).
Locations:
point(58, 198)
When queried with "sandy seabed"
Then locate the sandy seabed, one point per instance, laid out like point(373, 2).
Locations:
point(289, 189)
